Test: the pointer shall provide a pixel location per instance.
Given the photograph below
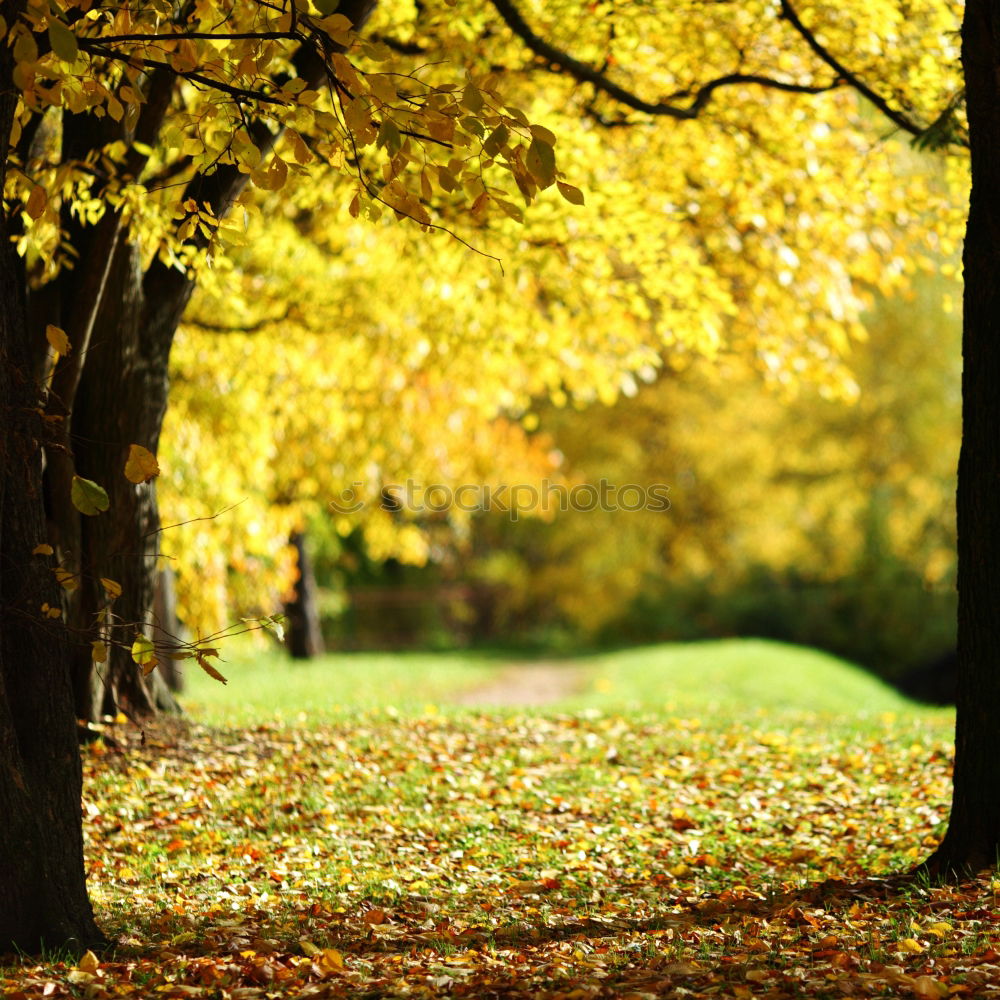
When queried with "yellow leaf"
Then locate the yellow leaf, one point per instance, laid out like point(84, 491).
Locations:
point(911, 945)
point(202, 659)
point(331, 960)
point(542, 134)
point(98, 651)
point(67, 580)
point(572, 194)
point(144, 652)
point(928, 988)
point(42, 550)
point(141, 465)
point(37, 201)
point(382, 87)
point(57, 339)
point(111, 587)
point(88, 963)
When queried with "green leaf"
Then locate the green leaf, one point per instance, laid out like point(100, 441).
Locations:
point(388, 136)
point(63, 41)
point(276, 625)
point(87, 497)
point(472, 99)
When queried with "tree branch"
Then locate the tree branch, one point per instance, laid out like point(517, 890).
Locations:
point(256, 327)
point(238, 93)
point(218, 190)
point(855, 82)
point(214, 36)
point(588, 74)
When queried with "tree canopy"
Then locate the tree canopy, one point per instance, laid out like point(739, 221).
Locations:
point(607, 190)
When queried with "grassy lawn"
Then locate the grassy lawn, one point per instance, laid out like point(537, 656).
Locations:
point(734, 677)
point(265, 685)
point(725, 678)
point(714, 819)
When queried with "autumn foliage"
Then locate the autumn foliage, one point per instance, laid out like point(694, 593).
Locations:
point(386, 237)
point(510, 854)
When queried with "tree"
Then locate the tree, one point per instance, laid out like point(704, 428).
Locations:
point(577, 316)
point(136, 132)
point(853, 507)
point(91, 304)
point(41, 841)
point(972, 841)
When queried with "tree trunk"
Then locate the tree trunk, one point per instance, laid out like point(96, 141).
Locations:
point(121, 401)
point(42, 880)
point(972, 842)
point(303, 636)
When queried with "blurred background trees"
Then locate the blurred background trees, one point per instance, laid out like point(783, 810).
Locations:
point(752, 308)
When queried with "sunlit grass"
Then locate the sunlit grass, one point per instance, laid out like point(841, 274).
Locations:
point(735, 677)
point(716, 681)
point(265, 685)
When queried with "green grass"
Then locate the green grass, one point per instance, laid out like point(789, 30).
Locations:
point(464, 854)
point(265, 685)
point(700, 816)
point(734, 677)
point(725, 679)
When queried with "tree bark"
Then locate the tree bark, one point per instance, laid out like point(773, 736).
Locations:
point(972, 841)
point(122, 400)
point(303, 635)
point(42, 879)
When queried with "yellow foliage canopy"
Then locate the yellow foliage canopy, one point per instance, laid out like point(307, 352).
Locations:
point(718, 188)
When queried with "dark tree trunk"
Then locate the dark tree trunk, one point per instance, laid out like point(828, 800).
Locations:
point(43, 896)
point(303, 636)
point(122, 400)
point(972, 841)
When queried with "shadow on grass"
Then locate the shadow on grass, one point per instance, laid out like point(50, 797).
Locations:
point(833, 938)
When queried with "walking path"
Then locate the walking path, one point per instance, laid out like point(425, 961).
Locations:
point(527, 684)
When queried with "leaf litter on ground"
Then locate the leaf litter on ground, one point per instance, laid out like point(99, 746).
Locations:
point(509, 855)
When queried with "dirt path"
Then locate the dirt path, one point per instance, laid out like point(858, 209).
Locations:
point(527, 684)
